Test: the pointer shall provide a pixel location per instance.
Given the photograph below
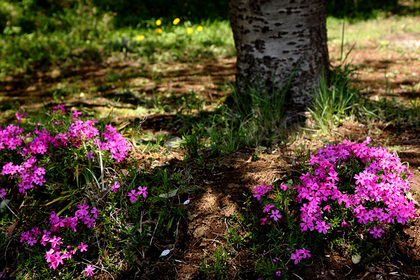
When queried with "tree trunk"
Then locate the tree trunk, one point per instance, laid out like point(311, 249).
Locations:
point(277, 38)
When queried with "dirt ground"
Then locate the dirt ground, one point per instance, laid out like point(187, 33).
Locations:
point(227, 182)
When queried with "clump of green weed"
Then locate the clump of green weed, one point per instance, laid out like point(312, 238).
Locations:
point(336, 100)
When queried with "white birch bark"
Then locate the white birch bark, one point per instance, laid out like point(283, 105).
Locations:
point(275, 38)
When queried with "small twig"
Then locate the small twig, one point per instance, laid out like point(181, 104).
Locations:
point(297, 276)
point(7, 247)
point(213, 240)
point(364, 276)
point(348, 273)
point(11, 210)
point(157, 224)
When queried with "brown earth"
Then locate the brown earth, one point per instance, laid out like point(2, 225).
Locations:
point(228, 182)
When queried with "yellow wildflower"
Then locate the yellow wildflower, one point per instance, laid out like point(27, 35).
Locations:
point(158, 22)
point(199, 28)
point(140, 37)
point(159, 30)
point(190, 30)
point(176, 21)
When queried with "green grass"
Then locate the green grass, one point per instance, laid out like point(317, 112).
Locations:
point(174, 43)
point(336, 100)
point(361, 32)
point(82, 35)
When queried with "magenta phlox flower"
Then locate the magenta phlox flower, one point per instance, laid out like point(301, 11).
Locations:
point(133, 195)
point(29, 163)
point(283, 187)
point(370, 215)
point(345, 224)
point(67, 255)
point(88, 271)
point(275, 215)
point(72, 223)
point(82, 214)
point(89, 222)
point(56, 242)
point(307, 225)
point(264, 220)
point(261, 190)
point(49, 254)
point(115, 187)
point(362, 218)
point(376, 232)
point(2, 192)
point(307, 178)
point(300, 254)
point(44, 239)
point(24, 236)
point(327, 207)
point(82, 247)
point(95, 212)
point(313, 160)
point(142, 191)
point(54, 219)
point(90, 156)
point(267, 207)
point(35, 231)
point(332, 175)
point(55, 259)
point(60, 140)
point(59, 107)
point(322, 227)
point(20, 116)
point(76, 114)
point(83, 206)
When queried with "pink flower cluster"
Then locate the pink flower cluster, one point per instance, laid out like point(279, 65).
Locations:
point(11, 137)
point(371, 182)
point(82, 214)
point(39, 144)
point(27, 174)
point(33, 146)
point(133, 194)
point(268, 208)
point(261, 190)
point(81, 131)
point(300, 254)
point(59, 107)
point(56, 255)
point(115, 143)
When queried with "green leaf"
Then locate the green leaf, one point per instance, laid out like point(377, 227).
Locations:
point(169, 194)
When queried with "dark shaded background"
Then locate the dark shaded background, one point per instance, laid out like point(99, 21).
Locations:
point(130, 13)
